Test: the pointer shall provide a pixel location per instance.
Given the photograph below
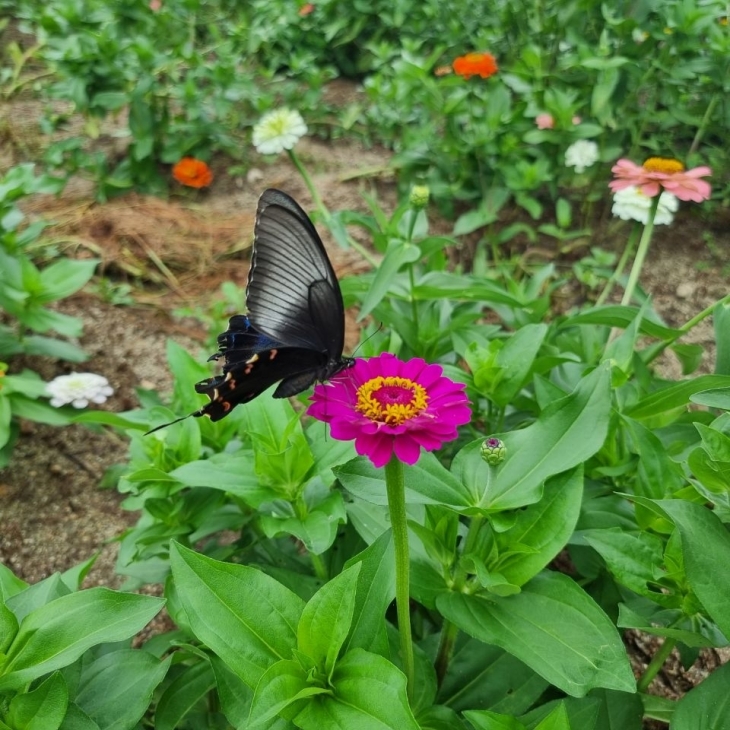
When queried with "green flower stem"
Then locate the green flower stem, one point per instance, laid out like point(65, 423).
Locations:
point(449, 632)
point(395, 485)
point(628, 250)
point(656, 664)
point(322, 208)
point(703, 124)
point(320, 569)
point(641, 253)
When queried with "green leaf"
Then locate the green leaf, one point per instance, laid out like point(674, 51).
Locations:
point(64, 278)
point(554, 627)
point(244, 616)
point(706, 551)
point(544, 527)
point(485, 214)
point(42, 709)
point(369, 694)
point(182, 694)
point(489, 678)
point(326, 619)
point(485, 720)
point(618, 316)
point(38, 411)
point(721, 321)
point(568, 431)
point(706, 707)
point(397, 255)
point(283, 684)
point(116, 689)
point(58, 633)
point(633, 559)
point(516, 359)
point(427, 482)
point(675, 396)
point(375, 592)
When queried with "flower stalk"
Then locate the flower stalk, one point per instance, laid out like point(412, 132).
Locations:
point(395, 485)
point(643, 249)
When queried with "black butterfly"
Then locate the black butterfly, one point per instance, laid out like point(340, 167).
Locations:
point(294, 331)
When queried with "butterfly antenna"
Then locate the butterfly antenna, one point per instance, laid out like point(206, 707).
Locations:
point(165, 425)
point(369, 337)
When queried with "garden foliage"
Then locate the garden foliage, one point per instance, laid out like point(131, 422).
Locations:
point(587, 496)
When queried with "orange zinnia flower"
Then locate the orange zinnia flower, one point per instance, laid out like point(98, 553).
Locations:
point(306, 9)
point(193, 173)
point(475, 64)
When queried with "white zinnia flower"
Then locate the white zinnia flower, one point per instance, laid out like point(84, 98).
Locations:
point(78, 389)
point(581, 154)
point(278, 130)
point(630, 204)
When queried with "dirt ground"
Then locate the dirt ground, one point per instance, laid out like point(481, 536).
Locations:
point(53, 513)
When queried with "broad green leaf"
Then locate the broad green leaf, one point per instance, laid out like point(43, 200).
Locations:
point(443, 285)
point(439, 717)
point(675, 396)
point(116, 689)
point(634, 559)
point(427, 482)
point(58, 633)
point(554, 627)
point(721, 321)
point(283, 684)
point(50, 347)
point(544, 527)
point(65, 277)
point(369, 693)
point(486, 677)
point(706, 551)
point(397, 254)
point(77, 719)
point(326, 619)
point(182, 694)
point(556, 720)
point(246, 617)
point(714, 398)
point(317, 530)
point(485, 720)
point(41, 709)
point(375, 592)
point(516, 359)
point(569, 431)
point(620, 316)
point(707, 706)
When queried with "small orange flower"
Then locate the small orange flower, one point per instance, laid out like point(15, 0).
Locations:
point(306, 9)
point(475, 64)
point(193, 173)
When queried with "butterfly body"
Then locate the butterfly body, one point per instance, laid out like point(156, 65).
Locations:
point(294, 330)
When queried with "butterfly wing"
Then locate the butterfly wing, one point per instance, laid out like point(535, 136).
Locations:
point(243, 381)
point(292, 294)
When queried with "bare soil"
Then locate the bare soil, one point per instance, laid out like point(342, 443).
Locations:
point(53, 513)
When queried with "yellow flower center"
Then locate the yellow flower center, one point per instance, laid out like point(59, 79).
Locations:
point(391, 400)
point(663, 164)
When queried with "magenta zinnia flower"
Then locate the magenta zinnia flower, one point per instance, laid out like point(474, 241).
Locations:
point(392, 407)
point(659, 172)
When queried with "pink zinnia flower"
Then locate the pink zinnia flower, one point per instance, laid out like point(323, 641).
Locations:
point(392, 407)
point(576, 120)
point(657, 173)
point(544, 121)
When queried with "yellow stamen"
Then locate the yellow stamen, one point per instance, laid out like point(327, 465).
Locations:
point(391, 400)
point(663, 164)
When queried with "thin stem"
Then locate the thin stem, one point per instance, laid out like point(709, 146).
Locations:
point(656, 664)
point(449, 632)
point(320, 569)
point(703, 124)
point(628, 250)
point(641, 253)
point(395, 485)
point(411, 272)
point(322, 208)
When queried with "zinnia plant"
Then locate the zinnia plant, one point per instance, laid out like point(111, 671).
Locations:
point(475, 64)
point(192, 172)
point(78, 389)
point(392, 409)
point(655, 175)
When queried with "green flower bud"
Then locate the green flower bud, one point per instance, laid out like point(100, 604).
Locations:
point(493, 451)
point(419, 196)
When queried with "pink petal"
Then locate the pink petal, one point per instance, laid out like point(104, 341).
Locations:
point(407, 449)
